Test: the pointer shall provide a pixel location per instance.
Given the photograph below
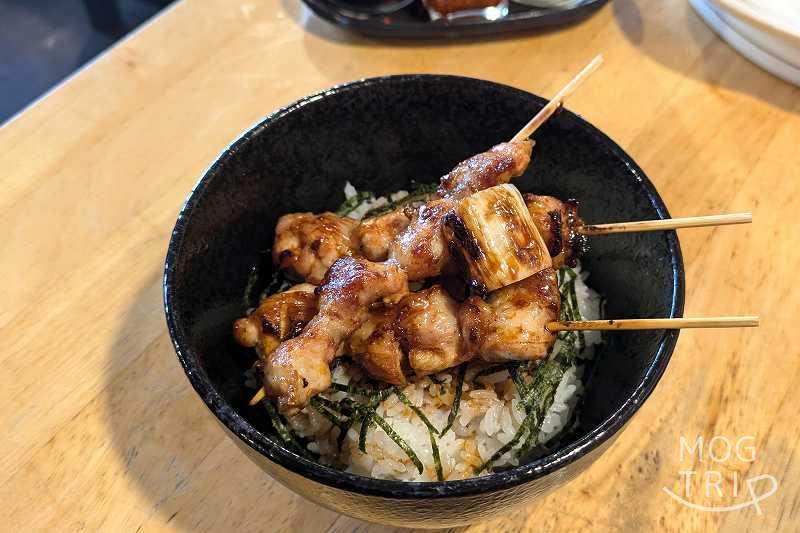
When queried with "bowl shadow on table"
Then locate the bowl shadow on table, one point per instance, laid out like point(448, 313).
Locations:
point(713, 64)
point(176, 454)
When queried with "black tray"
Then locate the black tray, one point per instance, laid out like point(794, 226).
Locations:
point(413, 21)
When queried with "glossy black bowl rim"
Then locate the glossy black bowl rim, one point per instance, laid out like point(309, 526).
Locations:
point(289, 460)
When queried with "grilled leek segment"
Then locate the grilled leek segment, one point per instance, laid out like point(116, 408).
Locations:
point(491, 233)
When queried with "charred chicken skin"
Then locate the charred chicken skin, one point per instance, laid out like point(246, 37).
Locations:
point(375, 345)
point(487, 169)
point(374, 236)
point(308, 244)
point(558, 223)
point(509, 325)
point(424, 333)
point(422, 248)
point(427, 325)
point(278, 317)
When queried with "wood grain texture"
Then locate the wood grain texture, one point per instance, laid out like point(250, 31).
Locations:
point(100, 430)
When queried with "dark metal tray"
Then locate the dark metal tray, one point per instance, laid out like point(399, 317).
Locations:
point(414, 22)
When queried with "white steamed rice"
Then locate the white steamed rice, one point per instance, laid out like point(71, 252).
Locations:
point(370, 203)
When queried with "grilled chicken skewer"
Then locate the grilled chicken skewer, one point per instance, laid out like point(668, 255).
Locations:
point(429, 328)
point(377, 343)
point(389, 344)
point(309, 244)
point(424, 333)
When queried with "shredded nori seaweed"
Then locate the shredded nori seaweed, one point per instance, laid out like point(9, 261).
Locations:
point(462, 370)
point(384, 425)
point(363, 413)
point(515, 370)
point(366, 422)
point(541, 396)
point(432, 432)
point(523, 428)
point(340, 387)
point(346, 412)
point(537, 397)
point(354, 202)
point(569, 307)
point(330, 410)
point(284, 432)
point(488, 371)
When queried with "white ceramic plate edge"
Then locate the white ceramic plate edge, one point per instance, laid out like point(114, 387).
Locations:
point(767, 23)
point(760, 57)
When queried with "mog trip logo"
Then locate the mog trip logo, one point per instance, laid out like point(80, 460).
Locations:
point(706, 482)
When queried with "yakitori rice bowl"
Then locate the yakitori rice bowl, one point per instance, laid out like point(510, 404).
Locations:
point(455, 424)
point(380, 135)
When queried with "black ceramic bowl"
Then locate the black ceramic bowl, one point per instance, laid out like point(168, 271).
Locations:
point(380, 134)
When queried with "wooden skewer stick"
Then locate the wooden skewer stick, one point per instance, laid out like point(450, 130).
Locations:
point(260, 395)
point(557, 101)
point(628, 324)
point(665, 224)
point(655, 323)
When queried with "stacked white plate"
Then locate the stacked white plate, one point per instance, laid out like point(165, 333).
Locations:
point(767, 32)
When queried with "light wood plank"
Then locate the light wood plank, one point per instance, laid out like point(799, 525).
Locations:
point(101, 429)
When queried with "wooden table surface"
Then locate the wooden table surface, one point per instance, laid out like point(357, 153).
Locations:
point(100, 429)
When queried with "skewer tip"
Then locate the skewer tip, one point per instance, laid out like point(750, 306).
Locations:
point(260, 395)
point(753, 321)
point(558, 100)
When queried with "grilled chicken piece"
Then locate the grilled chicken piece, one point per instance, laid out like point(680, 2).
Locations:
point(558, 223)
point(427, 324)
point(510, 324)
point(493, 237)
point(374, 235)
point(376, 347)
point(481, 171)
point(308, 244)
point(421, 248)
point(299, 367)
point(277, 318)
